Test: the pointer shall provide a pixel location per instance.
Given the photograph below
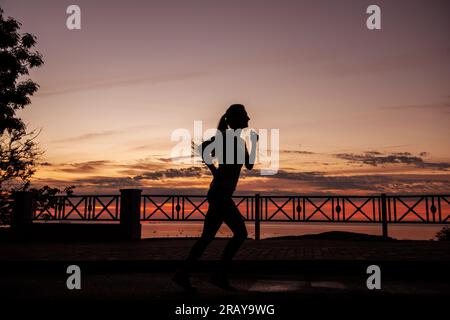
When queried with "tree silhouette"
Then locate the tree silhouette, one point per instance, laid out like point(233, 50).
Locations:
point(18, 150)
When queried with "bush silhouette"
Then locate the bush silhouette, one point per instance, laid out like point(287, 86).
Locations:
point(443, 234)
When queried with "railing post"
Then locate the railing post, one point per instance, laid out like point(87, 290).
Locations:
point(22, 215)
point(384, 219)
point(257, 217)
point(130, 213)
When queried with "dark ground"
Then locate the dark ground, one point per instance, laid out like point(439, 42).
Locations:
point(294, 275)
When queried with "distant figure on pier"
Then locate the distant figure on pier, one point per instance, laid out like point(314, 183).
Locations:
point(221, 206)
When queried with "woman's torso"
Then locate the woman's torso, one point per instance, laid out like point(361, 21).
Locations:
point(226, 178)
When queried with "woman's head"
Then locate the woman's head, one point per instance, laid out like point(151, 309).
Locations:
point(235, 118)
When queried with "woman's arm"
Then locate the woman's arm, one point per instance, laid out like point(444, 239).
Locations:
point(210, 166)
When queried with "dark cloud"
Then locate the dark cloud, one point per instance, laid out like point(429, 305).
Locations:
point(375, 159)
point(406, 183)
point(373, 152)
point(402, 153)
point(321, 180)
point(297, 151)
point(188, 159)
point(142, 165)
point(128, 169)
point(84, 167)
point(115, 183)
point(293, 181)
point(106, 182)
point(45, 164)
point(141, 173)
point(173, 173)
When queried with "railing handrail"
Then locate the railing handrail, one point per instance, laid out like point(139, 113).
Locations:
point(381, 208)
point(389, 195)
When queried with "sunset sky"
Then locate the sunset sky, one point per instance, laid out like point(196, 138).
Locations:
point(359, 111)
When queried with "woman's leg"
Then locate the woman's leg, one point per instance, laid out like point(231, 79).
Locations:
point(235, 222)
point(213, 221)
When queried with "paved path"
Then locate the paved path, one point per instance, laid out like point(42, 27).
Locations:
point(177, 249)
point(292, 275)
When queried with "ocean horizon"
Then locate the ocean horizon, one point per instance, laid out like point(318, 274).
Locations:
point(188, 229)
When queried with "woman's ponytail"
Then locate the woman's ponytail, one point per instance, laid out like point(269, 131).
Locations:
point(222, 126)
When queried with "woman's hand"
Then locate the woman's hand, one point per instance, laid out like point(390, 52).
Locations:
point(250, 158)
point(254, 137)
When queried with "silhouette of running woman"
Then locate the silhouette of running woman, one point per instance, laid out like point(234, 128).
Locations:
point(221, 206)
